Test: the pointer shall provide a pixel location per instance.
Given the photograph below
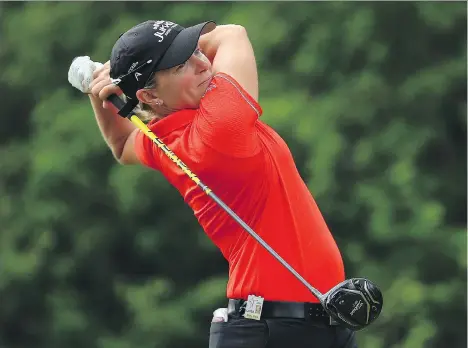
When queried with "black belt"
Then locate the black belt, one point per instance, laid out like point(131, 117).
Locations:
point(313, 312)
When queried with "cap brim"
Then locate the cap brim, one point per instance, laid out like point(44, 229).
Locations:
point(184, 45)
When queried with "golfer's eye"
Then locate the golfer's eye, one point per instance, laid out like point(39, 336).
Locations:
point(179, 67)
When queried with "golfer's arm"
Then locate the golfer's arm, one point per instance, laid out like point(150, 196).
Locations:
point(118, 132)
point(229, 49)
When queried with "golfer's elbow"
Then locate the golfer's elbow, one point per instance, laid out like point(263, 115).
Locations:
point(124, 150)
point(117, 151)
point(210, 42)
point(233, 30)
point(123, 160)
point(236, 28)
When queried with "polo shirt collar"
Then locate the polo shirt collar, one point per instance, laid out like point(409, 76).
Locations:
point(172, 122)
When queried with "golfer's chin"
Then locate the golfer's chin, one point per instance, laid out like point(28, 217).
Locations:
point(197, 101)
point(194, 103)
point(204, 87)
point(196, 97)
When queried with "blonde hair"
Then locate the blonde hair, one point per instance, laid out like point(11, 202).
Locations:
point(144, 111)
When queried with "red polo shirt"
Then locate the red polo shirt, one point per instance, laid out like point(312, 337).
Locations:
point(250, 168)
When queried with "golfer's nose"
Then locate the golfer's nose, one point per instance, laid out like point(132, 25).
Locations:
point(200, 64)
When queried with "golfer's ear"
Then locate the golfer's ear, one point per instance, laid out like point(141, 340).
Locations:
point(145, 96)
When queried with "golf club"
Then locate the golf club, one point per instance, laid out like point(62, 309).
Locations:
point(354, 303)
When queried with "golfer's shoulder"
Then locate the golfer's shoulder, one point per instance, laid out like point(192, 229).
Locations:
point(225, 94)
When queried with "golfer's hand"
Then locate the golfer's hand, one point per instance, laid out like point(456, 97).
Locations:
point(81, 71)
point(102, 87)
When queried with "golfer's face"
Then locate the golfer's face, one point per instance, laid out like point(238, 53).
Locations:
point(183, 86)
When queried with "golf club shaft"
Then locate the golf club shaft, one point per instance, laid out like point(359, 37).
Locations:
point(119, 103)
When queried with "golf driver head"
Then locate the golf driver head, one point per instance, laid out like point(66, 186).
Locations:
point(354, 303)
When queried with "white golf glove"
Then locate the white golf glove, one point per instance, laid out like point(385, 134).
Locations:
point(81, 71)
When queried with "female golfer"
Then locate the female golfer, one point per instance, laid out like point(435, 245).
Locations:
point(199, 87)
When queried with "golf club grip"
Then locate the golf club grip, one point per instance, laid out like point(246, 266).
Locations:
point(119, 103)
point(116, 101)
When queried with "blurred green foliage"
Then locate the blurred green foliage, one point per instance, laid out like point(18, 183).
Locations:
point(371, 98)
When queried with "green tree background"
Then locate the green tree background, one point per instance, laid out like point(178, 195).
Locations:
point(371, 98)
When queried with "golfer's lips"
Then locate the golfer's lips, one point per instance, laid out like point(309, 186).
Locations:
point(207, 80)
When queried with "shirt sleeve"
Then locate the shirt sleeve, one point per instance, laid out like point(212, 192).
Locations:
point(144, 150)
point(226, 118)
